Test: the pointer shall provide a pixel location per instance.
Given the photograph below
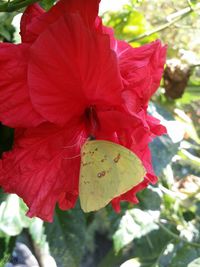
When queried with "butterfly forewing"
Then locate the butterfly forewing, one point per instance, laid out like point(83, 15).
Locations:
point(107, 171)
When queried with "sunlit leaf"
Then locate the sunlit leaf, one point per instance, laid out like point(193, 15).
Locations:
point(134, 224)
point(131, 263)
point(12, 216)
point(194, 263)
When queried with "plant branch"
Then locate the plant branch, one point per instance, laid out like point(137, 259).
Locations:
point(195, 65)
point(175, 236)
point(15, 5)
point(176, 17)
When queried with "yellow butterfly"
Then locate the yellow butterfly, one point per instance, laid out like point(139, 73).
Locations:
point(107, 171)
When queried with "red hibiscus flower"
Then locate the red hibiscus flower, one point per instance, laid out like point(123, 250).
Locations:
point(70, 79)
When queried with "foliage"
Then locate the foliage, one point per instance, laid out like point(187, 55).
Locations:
point(70, 228)
point(161, 231)
point(6, 28)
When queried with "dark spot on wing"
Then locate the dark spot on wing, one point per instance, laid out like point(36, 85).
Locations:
point(117, 158)
point(87, 163)
point(109, 170)
point(101, 174)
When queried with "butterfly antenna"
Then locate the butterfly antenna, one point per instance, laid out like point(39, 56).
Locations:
point(65, 147)
point(75, 144)
point(74, 157)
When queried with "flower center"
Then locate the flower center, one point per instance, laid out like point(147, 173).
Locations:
point(91, 121)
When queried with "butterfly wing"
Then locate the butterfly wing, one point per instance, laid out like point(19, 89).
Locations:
point(107, 171)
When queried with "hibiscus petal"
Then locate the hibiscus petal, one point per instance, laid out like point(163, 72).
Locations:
point(68, 72)
point(34, 22)
point(16, 109)
point(114, 121)
point(155, 126)
point(29, 17)
point(88, 9)
point(129, 196)
point(37, 168)
point(109, 31)
point(141, 68)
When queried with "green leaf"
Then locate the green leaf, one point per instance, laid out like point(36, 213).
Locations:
point(163, 148)
point(4, 259)
point(134, 224)
point(150, 248)
point(47, 4)
point(12, 216)
point(135, 262)
point(150, 198)
point(6, 29)
point(167, 254)
point(184, 255)
point(132, 262)
point(10, 6)
point(2, 247)
point(194, 263)
point(6, 247)
point(66, 237)
point(142, 252)
point(2, 196)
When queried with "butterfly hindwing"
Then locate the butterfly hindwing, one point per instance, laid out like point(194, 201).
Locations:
point(107, 171)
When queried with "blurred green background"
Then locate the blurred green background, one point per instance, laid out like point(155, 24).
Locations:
point(163, 230)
